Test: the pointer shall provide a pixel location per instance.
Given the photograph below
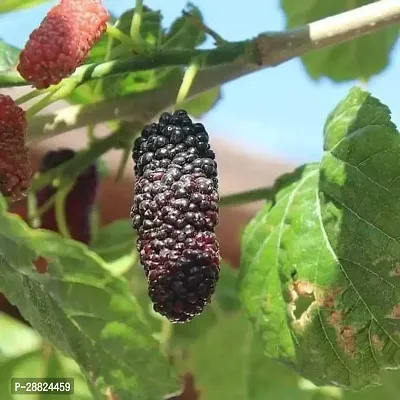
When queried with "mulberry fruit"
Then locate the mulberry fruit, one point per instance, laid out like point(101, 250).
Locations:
point(15, 168)
point(79, 202)
point(175, 212)
point(62, 41)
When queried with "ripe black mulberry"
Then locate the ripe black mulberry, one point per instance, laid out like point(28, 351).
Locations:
point(175, 212)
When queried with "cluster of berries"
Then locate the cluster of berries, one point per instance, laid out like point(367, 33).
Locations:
point(175, 212)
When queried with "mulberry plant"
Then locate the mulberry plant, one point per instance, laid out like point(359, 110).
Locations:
point(175, 212)
point(143, 297)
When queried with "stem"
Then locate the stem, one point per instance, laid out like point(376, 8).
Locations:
point(246, 197)
point(39, 106)
point(136, 45)
point(123, 164)
point(29, 96)
point(98, 87)
point(277, 48)
point(55, 93)
point(164, 58)
point(165, 335)
point(60, 201)
point(187, 81)
point(137, 20)
point(46, 206)
point(90, 133)
point(107, 56)
point(160, 37)
point(218, 39)
point(33, 219)
point(71, 169)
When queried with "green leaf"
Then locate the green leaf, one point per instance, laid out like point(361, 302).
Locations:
point(203, 103)
point(83, 310)
point(9, 56)
point(227, 360)
point(17, 338)
point(320, 277)
point(112, 87)
point(25, 365)
point(217, 359)
point(260, 284)
point(15, 5)
point(226, 296)
point(66, 367)
point(268, 379)
point(359, 190)
point(361, 58)
point(52, 368)
point(24, 354)
point(390, 389)
point(116, 244)
point(184, 33)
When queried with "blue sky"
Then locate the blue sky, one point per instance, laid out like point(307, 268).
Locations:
point(277, 111)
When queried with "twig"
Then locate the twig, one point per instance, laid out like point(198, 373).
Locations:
point(218, 39)
point(277, 48)
point(72, 168)
point(137, 20)
point(229, 62)
point(246, 51)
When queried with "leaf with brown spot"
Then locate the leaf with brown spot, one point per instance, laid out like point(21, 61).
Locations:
point(347, 339)
point(336, 235)
point(377, 343)
point(396, 312)
point(396, 271)
point(335, 318)
point(189, 391)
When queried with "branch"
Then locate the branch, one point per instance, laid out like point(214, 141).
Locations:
point(245, 51)
point(334, 30)
point(223, 64)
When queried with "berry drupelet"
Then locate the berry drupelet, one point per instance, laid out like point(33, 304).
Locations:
point(175, 212)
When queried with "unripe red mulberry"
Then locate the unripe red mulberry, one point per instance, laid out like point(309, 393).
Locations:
point(62, 41)
point(175, 212)
point(79, 201)
point(15, 168)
